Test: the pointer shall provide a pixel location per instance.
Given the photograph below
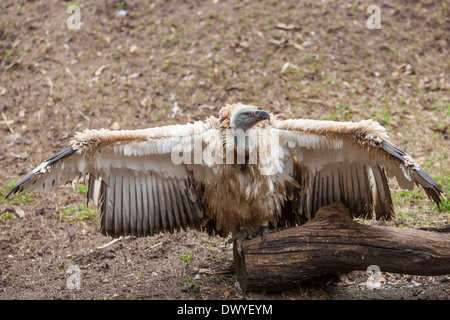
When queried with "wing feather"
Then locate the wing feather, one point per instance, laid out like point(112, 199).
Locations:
point(355, 155)
point(330, 189)
point(108, 214)
point(133, 208)
point(145, 207)
point(364, 191)
point(132, 176)
point(151, 206)
point(336, 186)
point(157, 218)
point(386, 210)
point(356, 190)
point(118, 228)
point(178, 205)
point(139, 207)
point(162, 205)
point(350, 196)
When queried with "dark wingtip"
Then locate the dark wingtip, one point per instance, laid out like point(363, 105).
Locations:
point(13, 190)
point(19, 186)
point(431, 187)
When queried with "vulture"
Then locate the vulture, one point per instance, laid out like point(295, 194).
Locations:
point(244, 173)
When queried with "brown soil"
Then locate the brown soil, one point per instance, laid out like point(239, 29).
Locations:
point(129, 71)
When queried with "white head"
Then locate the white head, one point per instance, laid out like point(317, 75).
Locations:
point(245, 117)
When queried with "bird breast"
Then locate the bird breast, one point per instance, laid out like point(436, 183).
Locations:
point(242, 198)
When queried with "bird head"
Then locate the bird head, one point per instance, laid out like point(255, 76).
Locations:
point(244, 117)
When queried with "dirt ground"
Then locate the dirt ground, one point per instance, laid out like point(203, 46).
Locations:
point(133, 62)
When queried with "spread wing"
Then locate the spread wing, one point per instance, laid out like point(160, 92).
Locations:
point(140, 188)
point(347, 162)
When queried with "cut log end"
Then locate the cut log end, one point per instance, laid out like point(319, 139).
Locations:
point(333, 242)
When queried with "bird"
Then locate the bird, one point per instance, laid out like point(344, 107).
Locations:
point(243, 173)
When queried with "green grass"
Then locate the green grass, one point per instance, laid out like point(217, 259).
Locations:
point(186, 258)
point(77, 213)
point(5, 216)
point(193, 284)
point(409, 196)
point(383, 115)
point(444, 182)
point(82, 188)
point(78, 4)
point(416, 209)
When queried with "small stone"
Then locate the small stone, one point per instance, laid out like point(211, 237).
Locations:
point(13, 138)
point(19, 212)
point(71, 231)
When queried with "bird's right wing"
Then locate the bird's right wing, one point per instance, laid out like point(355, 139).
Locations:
point(136, 176)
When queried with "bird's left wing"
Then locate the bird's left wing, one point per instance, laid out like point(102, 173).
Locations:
point(348, 162)
point(133, 176)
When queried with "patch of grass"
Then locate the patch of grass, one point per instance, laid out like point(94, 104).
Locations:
point(339, 109)
point(383, 116)
point(172, 38)
point(166, 64)
point(409, 196)
point(77, 213)
point(445, 205)
point(5, 216)
point(341, 106)
point(8, 55)
point(193, 284)
point(82, 188)
point(119, 4)
point(186, 258)
point(140, 276)
point(444, 182)
point(210, 241)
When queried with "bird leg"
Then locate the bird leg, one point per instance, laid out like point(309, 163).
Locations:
point(263, 231)
point(238, 238)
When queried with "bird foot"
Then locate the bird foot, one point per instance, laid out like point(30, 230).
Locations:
point(237, 240)
point(264, 231)
point(243, 234)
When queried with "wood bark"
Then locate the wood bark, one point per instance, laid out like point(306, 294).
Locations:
point(333, 243)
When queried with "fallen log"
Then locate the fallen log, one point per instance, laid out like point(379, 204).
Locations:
point(333, 243)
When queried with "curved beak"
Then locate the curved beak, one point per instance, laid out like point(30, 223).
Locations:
point(261, 114)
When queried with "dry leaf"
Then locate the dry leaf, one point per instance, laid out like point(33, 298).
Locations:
point(69, 72)
point(115, 126)
point(21, 156)
point(133, 48)
point(287, 27)
point(145, 102)
point(278, 42)
point(99, 71)
point(285, 66)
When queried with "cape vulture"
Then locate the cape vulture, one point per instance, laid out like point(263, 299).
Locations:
point(244, 173)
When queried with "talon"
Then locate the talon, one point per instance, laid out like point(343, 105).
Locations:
point(239, 247)
point(264, 231)
point(237, 239)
